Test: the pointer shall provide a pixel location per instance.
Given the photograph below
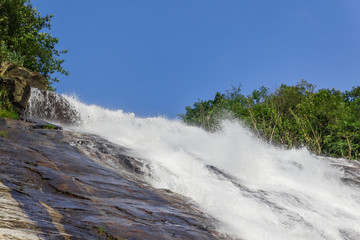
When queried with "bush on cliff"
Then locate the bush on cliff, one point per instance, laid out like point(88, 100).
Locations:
point(6, 108)
point(23, 41)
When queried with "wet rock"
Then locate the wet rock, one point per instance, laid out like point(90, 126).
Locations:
point(39, 124)
point(351, 170)
point(50, 106)
point(62, 185)
point(108, 153)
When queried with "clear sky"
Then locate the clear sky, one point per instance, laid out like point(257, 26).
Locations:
point(154, 57)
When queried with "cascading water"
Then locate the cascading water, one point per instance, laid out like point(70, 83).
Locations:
point(257, 191)
point(47, 105)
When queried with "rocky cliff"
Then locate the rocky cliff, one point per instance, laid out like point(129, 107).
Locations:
point(56, 184)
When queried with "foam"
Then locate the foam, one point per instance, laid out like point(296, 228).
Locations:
point(256, 191)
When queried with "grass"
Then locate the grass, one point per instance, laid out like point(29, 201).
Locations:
point(102, 231)
point(8, 113)
point(3, 133)
point(48, 126)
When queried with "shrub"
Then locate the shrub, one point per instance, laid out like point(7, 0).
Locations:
point(6, 108)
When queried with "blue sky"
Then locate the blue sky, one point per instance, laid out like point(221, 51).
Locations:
point(154, 57)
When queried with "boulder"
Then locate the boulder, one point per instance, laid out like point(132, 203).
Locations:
point(16, 91)
point(34, 79)
point(16, 82)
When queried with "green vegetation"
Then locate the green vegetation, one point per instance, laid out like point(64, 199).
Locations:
point(3, 133)
point(326, 121)
point(8, 113)
point(7, 55)
point(6, 108)
point(23, 41)
point(102, 231)
point(48, 126)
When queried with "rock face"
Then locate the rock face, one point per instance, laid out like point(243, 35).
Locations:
point(57, 184)
point(35, 80)
point(17, 91)
point(15, 82)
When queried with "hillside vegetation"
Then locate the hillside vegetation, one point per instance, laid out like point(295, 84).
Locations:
point(326, 121)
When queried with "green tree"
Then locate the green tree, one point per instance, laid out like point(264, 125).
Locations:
point(23, 41)
point(206, 114)
point(326, 121)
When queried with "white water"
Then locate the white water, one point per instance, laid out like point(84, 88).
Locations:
point(264, 193)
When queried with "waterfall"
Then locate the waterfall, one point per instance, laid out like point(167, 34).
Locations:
point(47, 105)
point(257, 191)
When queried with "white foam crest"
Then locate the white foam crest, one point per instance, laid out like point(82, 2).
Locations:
point(255, 190)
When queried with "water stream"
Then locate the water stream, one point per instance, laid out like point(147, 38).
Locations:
point(257, 191)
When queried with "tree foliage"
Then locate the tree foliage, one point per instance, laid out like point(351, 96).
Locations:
point(23, 41)
point(326, 121)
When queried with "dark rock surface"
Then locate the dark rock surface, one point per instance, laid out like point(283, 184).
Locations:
point(57, 184)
